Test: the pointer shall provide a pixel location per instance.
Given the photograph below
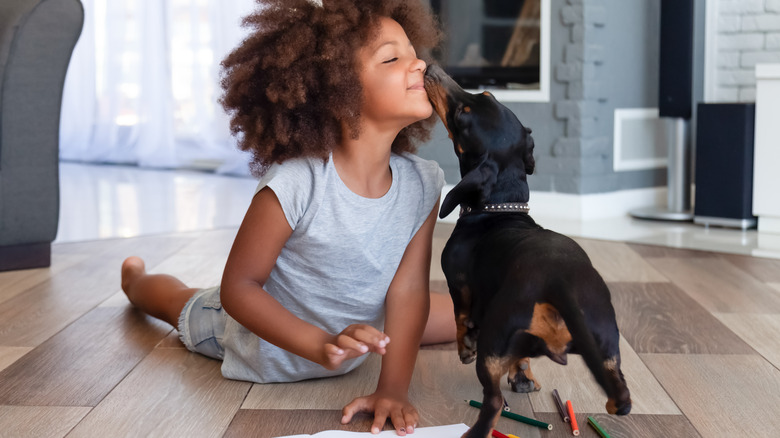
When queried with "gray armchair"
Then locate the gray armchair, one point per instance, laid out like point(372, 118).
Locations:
point(36, 41)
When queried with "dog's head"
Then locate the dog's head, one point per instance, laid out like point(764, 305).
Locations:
point(494, 149)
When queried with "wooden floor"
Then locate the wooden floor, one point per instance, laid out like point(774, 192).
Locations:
point(700, 347)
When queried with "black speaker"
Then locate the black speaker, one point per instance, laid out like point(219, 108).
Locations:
point(675, 82)
point(724, 164)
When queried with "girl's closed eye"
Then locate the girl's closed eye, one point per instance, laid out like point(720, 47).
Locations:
point(390, 60)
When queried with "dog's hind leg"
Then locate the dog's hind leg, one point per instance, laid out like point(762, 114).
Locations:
point(620, 401)
point(521, 378)
point(597, 341)
point(490, 369)
point(603, 327)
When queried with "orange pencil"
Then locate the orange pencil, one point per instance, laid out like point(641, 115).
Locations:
point(574, 429)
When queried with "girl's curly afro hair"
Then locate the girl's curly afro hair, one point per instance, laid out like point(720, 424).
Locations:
point(292, 86)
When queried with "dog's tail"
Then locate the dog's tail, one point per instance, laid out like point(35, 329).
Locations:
point(583, 338)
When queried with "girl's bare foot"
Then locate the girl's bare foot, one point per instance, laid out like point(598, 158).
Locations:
point(159, 295)
point(133, 268)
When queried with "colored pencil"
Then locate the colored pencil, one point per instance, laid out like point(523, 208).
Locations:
point(559, 405)
point(598, 427)
point(497, 434)
point(514, 416)
point(574, 429)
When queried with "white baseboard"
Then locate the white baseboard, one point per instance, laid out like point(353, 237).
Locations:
point(583, 207)
point(768, 224)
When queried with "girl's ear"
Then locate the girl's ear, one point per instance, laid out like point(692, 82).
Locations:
point(473, 190)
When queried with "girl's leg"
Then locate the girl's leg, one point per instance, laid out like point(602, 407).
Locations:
point(441, 321)
point(159, 295)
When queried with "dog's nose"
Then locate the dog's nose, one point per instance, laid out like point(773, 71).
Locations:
point(434, 71)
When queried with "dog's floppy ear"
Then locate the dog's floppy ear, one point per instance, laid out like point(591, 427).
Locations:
point(528, 157)
point(473, 189)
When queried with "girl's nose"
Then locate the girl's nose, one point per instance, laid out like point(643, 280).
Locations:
point(419, 64)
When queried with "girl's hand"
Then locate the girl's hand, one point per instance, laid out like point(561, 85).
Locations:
point(401, 413)
point(355, 340)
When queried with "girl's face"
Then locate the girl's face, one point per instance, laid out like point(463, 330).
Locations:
point(392, 79)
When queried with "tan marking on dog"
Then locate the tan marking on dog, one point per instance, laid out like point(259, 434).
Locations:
point(461, 329)
point(611, 406)
point(495, 419)
point(611, 364)
point(486, 93)
point(460, 320)
point(459, 148)
point(465, 293)
point(547, 324)
point(466, 109)
point(497, 366)
point(523, 366)
point(439, 100)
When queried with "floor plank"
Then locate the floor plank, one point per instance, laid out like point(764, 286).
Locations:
point(618, 262)
point(13, 283)
point(330, 394)
point(722, 395)
point(762, 332)
point(184, 395)
point(655, 251)
point(269, 423)
point(39, 421)
point(719, 286)
point(69, 294)
point(661, 318)
point(171, 341)
point(766, 270)
point(84, 362)
point(576, 383)
point(630, 426)
point(9, 355)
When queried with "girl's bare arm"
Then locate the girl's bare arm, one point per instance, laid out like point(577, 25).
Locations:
point(260, 239)
point(408, 302)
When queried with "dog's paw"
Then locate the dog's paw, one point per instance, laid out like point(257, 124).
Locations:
point(618, 408)
point(467, 356)
point(520, 383)
point(470, 340)
point(526, 386)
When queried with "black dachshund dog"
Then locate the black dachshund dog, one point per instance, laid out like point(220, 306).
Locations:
point(519, 290)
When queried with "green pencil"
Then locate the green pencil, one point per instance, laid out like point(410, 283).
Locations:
point(598, 427)
point(515, 417)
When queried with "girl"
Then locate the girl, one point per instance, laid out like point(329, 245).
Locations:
point(332, 259)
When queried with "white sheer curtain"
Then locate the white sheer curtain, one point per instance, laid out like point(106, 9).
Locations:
point(143, 84)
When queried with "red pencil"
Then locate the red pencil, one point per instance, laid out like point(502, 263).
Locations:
point(574, 429)
point(497, 434)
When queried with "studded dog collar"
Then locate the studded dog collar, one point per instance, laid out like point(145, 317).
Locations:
point(506, 207)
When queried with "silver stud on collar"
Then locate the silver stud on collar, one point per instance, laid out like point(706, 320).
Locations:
point(506, 207)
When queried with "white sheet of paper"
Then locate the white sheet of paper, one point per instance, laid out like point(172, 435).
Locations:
point(451, 431)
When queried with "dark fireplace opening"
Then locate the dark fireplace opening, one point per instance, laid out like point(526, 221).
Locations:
point(490, 43)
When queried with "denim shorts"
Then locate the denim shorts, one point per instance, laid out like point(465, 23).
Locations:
point(202, 323)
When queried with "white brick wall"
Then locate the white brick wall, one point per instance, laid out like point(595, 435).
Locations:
point(748, 32)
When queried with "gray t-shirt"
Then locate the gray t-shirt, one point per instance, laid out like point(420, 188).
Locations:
point(339, 261)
